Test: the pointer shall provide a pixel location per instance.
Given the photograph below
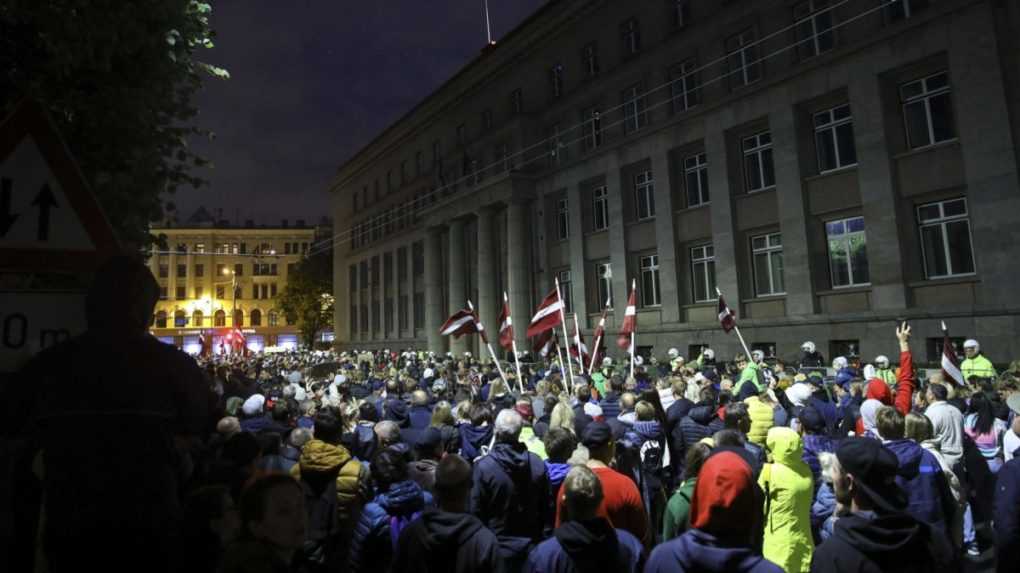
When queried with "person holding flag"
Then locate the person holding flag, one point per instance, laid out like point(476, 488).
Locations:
point(627, 338)
point(598, 377)
point(506, 336)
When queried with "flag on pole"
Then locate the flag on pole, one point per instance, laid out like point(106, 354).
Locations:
point(629, 322)
point(547, 316)
point(205, 344)
point(600, 336)
point(727, 318)
point(579, 345)
point(239, 341)
point(462, 322)
point(950, 363)
point(544, 343)
point(506, 326)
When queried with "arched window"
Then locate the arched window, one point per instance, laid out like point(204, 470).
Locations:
point(179, 319)
point(220, 318)
point(238, 317)
point(197, 318)
point(255, 317)
point(273, 318)
point(161, 319)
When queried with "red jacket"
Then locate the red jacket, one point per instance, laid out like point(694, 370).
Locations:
point(879, 390)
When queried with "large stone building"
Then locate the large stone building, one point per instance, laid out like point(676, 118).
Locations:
point(832, 166)
point(212, 271)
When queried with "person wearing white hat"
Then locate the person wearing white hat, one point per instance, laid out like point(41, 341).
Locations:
point(975, 363)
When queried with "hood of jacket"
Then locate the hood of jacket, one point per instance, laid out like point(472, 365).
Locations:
point(557, 472)
point(701, 414)
point(698, 551)
point(650, 430)
point(447, 531)
point(869, 414)
point(786, 446)
point(879, 535)
point(402, 498)
point(591, 544)
point(477, 436)
point(909, 453)
point(513, 458)
point(319, 456)
point(879, 390)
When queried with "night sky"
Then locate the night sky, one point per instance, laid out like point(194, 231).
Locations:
point(312, 81)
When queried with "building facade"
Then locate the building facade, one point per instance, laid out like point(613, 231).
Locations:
point(833, 167)
point(213, 277)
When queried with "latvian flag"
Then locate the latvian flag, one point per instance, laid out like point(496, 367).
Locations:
point(506, 326)
point(205, 344)
point(600, 336)
point(727, 318)
point(579, 344)
point(629, 321)
point(464, 321)
point(950, 363)
point(544, 343)
point(547, 316)
point(240, 342)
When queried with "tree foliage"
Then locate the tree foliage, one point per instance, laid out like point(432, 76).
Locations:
point(118, 79)
point(307, 300)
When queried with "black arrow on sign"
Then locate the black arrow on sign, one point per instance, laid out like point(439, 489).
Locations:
point(45, 200)
point(6, 218)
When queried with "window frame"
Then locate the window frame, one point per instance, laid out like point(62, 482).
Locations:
point(845, 238)
point(648, 268)
point(925, 97)
point(590, 59)
point(633, 103)
point(603, 284)
point(942, 221)
point(703, 255)
point(556, 80)
point(758, 149)
point(699, 169)
point(832, 126)
point(517, 102)
point(592, 120)
point(685, 75)
point(563, 218)
point(644, 184)
point(680, 11)
point(630, 34)
point(742, 48)
point(768, 250)
point(600, 204)
point(565, 285)
point(813, 12)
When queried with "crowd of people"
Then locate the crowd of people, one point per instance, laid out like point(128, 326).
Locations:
point(132, 452)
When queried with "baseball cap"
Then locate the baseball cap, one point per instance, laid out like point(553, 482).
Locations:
point(874, 470)
point(596, 435)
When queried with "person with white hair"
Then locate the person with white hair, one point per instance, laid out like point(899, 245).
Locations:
point(975, 364)
point(498, 477)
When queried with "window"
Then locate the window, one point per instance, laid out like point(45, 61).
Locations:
point(814, 28)
point(644, 191)
point(742, 59)
point(244, 246)
point(221, 269)
point(834, 138)
point(180, 293)
point(927, 110)
point(767, 258)
point(163, 293)
point(683, 85)
point(255, 317)
point(703, 273)
point(562, 219)
point(238, 269)
point(945, 238)
point(197, 318)
point(592, 128)
point(389, 180)
point(435, 154)
point(649, 280)
point(487, 119)
point(565, 292)
point(934, 347)
point(274, 318)
point(633, 109)
point(220, 318)
point(164, 270)
point(199, 292)
point(376, 317)
point(221, 292)
point(286, 248)
point(600, 208)
point(696, 179)
point(848, 254)
point(604, 282)
point(182, 270)
point(759, 173)
point(516, 101)
point(419, 310)
point(375, 191)
point(556, 80)
point(631, 37)
point(590, 59)
point(504, 157)
point(680, 11)
point(902, 9)
point(255, 291)
point(272, 290)
point(557, 149)
point(180, 319)
point(845, 348)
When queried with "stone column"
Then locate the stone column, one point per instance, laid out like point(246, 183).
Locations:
point(489, 301)
point(617, 240)
point(665, 238)
point(409, 287)
point(723, 232)
point(434, 312)
point(519, 270)
point(457, 281)
point(354, 304)
point(800, 297)
point(578, 261)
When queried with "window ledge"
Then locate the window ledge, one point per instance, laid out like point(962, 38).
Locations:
point(955, 142)
point(765, 298)
point(593, 233)
point(845, 290)
point(747, 194)
point(706, 304)
point(704, 205)
point(831, 172)
point(953, 280)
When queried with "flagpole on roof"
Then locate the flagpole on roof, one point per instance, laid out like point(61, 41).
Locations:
point(563, 323)
point(513, 342)
point(737, 330)
point(492, 353)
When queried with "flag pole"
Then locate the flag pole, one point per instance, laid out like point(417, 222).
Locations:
point(559, 356)
point(633, 333)
point(577, 341)
point(563, 323)
point(481, 331)
point(737, 330)
point(598, 339)
point(513, 342)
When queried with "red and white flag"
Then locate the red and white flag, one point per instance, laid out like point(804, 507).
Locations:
point(727, 318)
point(462, 322)
point(600, 335)
point(950, 362)
point(239, 341)
point(549, 314)
point(629, 320)
point(579, 345)
point(205, 344)
point(506, 325)
point(544, 343)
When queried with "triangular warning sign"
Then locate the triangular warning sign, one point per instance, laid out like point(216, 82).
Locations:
point(49, 220)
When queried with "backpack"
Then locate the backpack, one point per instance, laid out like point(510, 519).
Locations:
point(397, 525)
point(322, 534)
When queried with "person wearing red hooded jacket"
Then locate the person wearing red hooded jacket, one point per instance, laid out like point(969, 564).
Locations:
point(877, 389)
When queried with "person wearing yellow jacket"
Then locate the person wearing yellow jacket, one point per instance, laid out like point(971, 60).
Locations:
point(789, 490)
point(975, 364)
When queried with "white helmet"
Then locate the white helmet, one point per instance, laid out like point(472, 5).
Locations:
point(971, 343)
point(757, 355)
point(808, 347)
point(882, 361)
point(708, 353)
point(607, 361)
point(673, 353)
point(839, 362)
point(638, 360)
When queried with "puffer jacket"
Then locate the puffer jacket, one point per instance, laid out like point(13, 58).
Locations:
point(511, 492)
point(787, 484)
point(322, 461)
point(700, 423)
point(762, 419)
point(920, 476)
point(815, 444)
point(373, 544)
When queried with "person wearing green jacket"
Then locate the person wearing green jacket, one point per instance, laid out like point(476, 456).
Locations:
point(676, 518)
point(789, 489)
point(975, 364)
point(883, 372)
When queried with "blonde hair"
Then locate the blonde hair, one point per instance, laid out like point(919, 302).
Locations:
point(645, 411)
point(562, 416)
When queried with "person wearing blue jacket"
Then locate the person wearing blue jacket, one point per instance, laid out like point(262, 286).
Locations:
point(1007, 515)
point(397, 503)
point(476, 435)
point(584, 541)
